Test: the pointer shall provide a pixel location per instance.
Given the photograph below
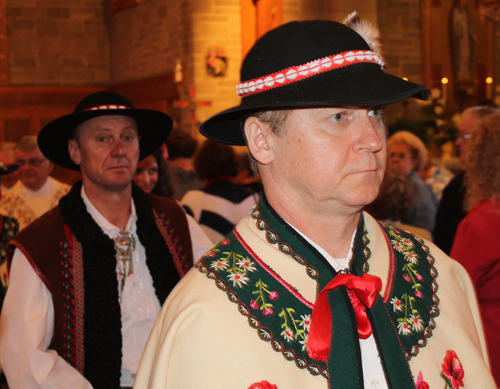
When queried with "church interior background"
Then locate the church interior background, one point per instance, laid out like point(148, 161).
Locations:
point(183, 56)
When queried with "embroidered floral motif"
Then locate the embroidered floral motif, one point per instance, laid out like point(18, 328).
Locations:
point(69, 353)
point(281, 315)
point(288, 329)
point(452, 372)
point(414, 301)
point(299, 334)
point(240, 266)
point(174, 245)
point(260, 301)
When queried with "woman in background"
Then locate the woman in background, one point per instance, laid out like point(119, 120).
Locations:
point(152, 175)
point(407, 155)
point(477, 244)
point(221, 203)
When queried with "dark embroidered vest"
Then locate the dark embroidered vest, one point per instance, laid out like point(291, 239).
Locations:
point(87, 321)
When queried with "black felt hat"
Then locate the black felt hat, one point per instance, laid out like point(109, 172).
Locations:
point(8, 169)
point(153, 126)
point(314, 63)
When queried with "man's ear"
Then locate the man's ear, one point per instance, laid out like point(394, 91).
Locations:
point(74, 151)
point(258, 134)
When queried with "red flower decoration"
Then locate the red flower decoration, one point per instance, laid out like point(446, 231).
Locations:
point(421, 384)
point(225, 241)
point(453, 371)
point(262, 385)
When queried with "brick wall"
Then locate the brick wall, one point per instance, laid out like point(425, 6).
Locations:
point(146, 39)
point(57, 42)
point(216, 22)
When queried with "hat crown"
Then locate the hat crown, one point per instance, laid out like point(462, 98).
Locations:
point(297, 43)
point(102, 98)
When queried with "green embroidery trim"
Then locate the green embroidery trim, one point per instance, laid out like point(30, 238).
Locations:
point(413, 304)
point(282, 319)
point(279, 317)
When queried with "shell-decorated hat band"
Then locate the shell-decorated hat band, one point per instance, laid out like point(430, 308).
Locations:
point(107, 106)
point(297, 73)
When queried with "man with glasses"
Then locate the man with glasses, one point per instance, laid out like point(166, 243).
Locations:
point(451, 207)
point(35, 192)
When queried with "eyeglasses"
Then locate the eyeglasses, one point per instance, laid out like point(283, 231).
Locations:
point(399, 155)
point(35, 162)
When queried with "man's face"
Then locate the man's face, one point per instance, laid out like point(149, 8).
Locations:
point(7, 157)
point(467, 124)
point(330, 156)
point(401, 158)
point(34, 168)
point(107, 152)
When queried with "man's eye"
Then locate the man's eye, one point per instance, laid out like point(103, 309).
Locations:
point(128, 137)
point(375, 113)
point(101, 139)
point(338, 117)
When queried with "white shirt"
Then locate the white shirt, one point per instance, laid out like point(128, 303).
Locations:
point(373, 372)
point(25, 205)
point(27, 321)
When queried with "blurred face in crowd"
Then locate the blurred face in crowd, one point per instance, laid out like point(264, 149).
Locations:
point(147, 174)
point(107, 150)
point(34, 168)
point(467, 124)
point(325, 157)
point(401, 158)
point(7, 157)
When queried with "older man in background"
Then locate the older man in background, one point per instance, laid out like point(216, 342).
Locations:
point(35, 192)
point(451, 210)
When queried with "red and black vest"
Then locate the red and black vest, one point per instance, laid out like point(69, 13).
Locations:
point(76, 261)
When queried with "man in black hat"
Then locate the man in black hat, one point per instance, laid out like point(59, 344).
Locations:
point(309, 291)
point(88, 278)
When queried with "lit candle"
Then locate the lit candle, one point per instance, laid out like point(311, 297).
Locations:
point(489, 88)
point(444, 90)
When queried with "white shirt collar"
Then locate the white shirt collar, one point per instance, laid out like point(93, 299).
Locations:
point(43, 191)
point(109, 228)
point(337, 263)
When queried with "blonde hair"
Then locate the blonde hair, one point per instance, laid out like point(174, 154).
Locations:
point(414, 143)
point(482, 164)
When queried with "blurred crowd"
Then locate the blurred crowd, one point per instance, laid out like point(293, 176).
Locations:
point(457, 209)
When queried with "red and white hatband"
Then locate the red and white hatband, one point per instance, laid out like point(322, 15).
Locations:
point(297, 73)
point(107, 106)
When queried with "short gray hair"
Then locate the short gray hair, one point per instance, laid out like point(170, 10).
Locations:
point(27, 143)
point(275, 119)
point(414, 142)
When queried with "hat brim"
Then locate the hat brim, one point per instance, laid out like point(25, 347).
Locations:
point(9, 169)
point(360, 85)
point(153, 128)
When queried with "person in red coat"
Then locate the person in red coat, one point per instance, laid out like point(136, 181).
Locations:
point(476, 245)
